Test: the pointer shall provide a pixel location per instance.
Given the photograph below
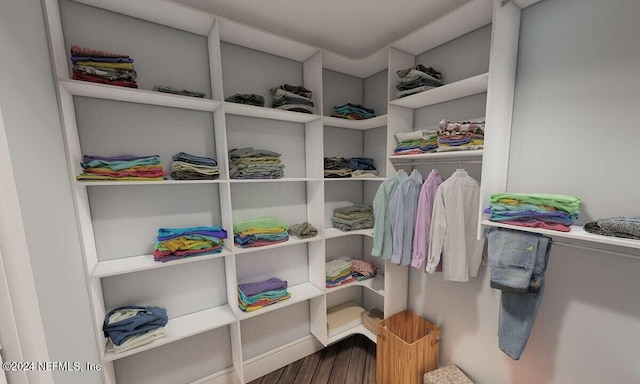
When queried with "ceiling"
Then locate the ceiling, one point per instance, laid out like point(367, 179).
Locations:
point(352, 28)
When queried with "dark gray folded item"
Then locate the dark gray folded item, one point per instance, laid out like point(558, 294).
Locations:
point(247, 98)
point(187, 175)
point(303, 231)
point(626, 227)
point(250, 151)
point(353, 208)
point(428, 70)
point(182, 92)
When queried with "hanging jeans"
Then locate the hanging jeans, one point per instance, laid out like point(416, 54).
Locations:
point(517, 263)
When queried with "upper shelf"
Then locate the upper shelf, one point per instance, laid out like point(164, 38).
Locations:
point(111, 92)
point(436, 156)
point(577, 233)
point(268, 113)
point(379, 121)
point(462, 88)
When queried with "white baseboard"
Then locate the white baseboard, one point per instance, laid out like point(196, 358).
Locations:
point(261, 365)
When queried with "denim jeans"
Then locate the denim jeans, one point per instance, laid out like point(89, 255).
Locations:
point(517, 263)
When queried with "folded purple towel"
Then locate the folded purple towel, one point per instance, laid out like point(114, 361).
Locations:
point(250, 289)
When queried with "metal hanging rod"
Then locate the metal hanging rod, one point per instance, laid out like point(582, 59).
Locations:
point(414, 162)
point(569, 245)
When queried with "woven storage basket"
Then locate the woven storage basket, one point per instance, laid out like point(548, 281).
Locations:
point(408, 346)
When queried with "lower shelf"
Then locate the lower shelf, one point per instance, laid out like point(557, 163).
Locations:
point(577, 233)
point(299, 293)
point(358, 329)
point(182, 327)
point(375, 284)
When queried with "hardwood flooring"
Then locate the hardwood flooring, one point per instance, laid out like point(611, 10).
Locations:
point(350, 361)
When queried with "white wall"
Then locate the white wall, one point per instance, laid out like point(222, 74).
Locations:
point(35, 141)
point(576, 86)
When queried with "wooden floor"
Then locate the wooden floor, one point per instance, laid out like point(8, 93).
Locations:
point(350, 361)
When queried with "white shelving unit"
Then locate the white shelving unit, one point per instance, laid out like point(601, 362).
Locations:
point(92, 113)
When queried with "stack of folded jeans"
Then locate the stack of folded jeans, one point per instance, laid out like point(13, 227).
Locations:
point(353, 112)
point(337, 167)
point(363, 270)
point(625, 227)
point(250, 163)
point(140, 168)
point(460, 135)
point(362, 167)
point(102, 67)
point(517, 264)
point(352, 218)
point(191, 167)
point(177, 243)
point(554, 212)
point(338, 272)
point(292, 98)
point(417, 79)
point(253, 296)
point(260, 232)
point(247, 99)
point(416, 142)
point(181, 92)
point(131, 326)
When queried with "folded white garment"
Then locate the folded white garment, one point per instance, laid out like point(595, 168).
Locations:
point(138, 340)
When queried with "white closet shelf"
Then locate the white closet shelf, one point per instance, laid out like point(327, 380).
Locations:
point(375, 122)
point(354, 179)
point(268, 113)
point(111, 92)
point(96, 183)
point(281, 180)
point(450, 155)
point(146, 262)
point(292, 241)
point(334, 232)
point(462, 88)
point(375, 285)
point(577, 233)
point(299, 293)
point(358, 329)
point(183, 327)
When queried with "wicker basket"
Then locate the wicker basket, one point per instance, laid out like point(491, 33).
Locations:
point(408, 347)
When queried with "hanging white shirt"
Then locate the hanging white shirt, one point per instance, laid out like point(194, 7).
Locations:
point(453, 228)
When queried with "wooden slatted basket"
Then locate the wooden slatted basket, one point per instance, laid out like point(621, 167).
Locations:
point(408, 347)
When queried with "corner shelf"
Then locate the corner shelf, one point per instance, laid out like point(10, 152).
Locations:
point(183, 327)
point(132, 95)
point(577, 233)
point(358, 329)
point(330, 233)
point(434, 156)
point(268, 113)
point(280, 180)
point(375, 122)
point(355, 179)
point(456, 90)
point(375, 284)
point(146, 262)
point(299, 293)
point(292, 241)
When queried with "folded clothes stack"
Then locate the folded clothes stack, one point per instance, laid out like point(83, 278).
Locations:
point(292, 98)
point(363, 270)
point(181, 92)
point(338, 272)
point(337, 167)
point(460, 135)
point(554, 212)
point(303, 230)
point(103, 67)
point(260, 232)
point(353, 217)
point(353, 112)
point(417, 142)
point(126, 167)
point(250, 163)
point(362, 167)
point(247, 99)
point(178, 243)
point(131, 326)
point(417, 79)
point(253, 296)
point(191, 167)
